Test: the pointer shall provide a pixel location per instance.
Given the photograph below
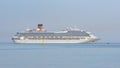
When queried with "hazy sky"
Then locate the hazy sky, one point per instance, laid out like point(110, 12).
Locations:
point(101, 17)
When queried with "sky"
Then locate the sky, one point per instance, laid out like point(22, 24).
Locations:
point(100, 17)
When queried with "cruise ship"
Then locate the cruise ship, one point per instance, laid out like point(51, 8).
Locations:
point(40, 35)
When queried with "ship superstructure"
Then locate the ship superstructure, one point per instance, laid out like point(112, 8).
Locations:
point(40, 35)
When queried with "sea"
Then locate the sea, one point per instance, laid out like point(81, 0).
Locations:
point(99, 55)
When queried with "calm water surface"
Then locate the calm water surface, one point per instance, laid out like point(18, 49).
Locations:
point(59, 55)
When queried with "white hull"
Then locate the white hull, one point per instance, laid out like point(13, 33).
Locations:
point(56, 41)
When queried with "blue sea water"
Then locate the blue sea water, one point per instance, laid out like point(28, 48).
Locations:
point(59, 55)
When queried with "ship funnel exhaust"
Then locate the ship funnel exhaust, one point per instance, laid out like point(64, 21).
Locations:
point(40, 27)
